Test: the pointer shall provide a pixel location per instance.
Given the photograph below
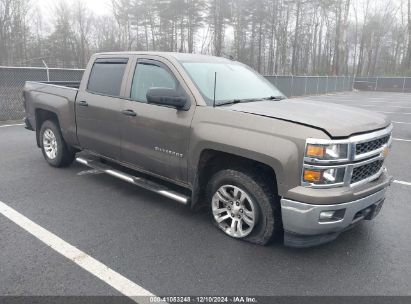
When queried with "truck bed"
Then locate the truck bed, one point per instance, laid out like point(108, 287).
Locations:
point(59, 88)
point(70, 84)
point(52, 97)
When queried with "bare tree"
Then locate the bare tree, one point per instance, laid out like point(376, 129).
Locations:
point(362, 37)
point(82, 22)
point(408, 56)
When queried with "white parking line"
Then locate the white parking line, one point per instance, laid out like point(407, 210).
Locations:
point(394, 113)
point(401, 122)
point(385, 105)
point(88, 263)
point(389, 102)
point(5, 126)
point(402, 183)
point(401, 139)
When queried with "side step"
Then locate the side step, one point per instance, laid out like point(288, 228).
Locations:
point(95, 163)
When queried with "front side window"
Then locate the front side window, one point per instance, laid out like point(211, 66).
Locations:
point(148, 75)
point(234, 81)
point(106, 76)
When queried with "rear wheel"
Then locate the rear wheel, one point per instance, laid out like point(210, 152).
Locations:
point(244, 206)
point(54, 148)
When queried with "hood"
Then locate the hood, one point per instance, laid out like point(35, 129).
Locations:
point(334, 119)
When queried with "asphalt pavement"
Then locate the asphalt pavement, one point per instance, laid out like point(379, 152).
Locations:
point(169, 250)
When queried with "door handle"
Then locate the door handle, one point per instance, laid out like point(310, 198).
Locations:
point(82, 103)
point(129, 112)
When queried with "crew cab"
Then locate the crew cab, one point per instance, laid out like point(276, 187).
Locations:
point(211, 132)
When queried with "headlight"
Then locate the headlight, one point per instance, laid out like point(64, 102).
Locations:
point(324, 163)
point(324, 176)
point(327, 152)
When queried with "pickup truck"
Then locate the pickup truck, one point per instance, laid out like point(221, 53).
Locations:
point(211, 132)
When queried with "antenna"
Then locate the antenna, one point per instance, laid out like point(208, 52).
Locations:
point(215, 85)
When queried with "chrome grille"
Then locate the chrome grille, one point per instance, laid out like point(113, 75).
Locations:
point(362, 172)
point(371, 145)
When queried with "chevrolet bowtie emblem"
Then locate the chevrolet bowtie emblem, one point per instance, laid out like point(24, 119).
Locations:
point(386, 151)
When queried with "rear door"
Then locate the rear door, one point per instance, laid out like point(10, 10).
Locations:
point(156, 139)
point(98, 106)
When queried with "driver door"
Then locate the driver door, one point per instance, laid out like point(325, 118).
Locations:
point(155, 138)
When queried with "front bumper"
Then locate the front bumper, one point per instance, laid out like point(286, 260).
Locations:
point(301, 221)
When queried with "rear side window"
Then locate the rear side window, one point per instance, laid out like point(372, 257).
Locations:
point(106, 76)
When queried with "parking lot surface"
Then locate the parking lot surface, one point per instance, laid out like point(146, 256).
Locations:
point(169, 250)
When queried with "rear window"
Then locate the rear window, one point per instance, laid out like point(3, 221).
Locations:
point(106, 76)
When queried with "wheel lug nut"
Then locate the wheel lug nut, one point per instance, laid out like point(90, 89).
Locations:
point(241, 210)
point(238, 204)
point(232, 214)
point(229, 208)
point(239, 216)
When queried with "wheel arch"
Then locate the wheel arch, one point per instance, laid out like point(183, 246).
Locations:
point(211, 161)
point(43, 115)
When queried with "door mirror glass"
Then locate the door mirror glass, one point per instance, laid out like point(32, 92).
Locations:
point(167, 97)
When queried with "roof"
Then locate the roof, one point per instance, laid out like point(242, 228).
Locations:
point(174, 55)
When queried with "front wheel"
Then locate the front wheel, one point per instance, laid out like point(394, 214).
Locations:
point(244, 206)
point(54, 148)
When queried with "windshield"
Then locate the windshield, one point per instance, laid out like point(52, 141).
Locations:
point(235, 82)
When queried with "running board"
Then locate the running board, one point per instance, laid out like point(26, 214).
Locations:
point(135, 180)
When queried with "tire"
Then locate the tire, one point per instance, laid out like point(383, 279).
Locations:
point(265, 206)
point(55, 150)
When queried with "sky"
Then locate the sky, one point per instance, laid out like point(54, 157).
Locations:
point(103, 7)
point(99, 7)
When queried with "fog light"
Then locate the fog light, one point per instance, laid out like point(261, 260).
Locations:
point(331, 215)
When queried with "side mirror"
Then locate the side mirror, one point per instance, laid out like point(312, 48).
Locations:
point(167, 97)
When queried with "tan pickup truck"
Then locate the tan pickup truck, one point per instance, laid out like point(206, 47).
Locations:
point(208, 131)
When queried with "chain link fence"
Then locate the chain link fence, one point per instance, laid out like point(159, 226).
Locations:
point(12, 80)
point(311, 85)
point(386, 84)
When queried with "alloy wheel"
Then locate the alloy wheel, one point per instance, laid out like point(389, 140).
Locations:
point(50, 144)
point(234, 211)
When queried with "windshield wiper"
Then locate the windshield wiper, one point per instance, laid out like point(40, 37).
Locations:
point(234, 101)
point(273, 98)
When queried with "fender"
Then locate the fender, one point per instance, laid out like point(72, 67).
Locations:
point(57, 100)
point(257, 138)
